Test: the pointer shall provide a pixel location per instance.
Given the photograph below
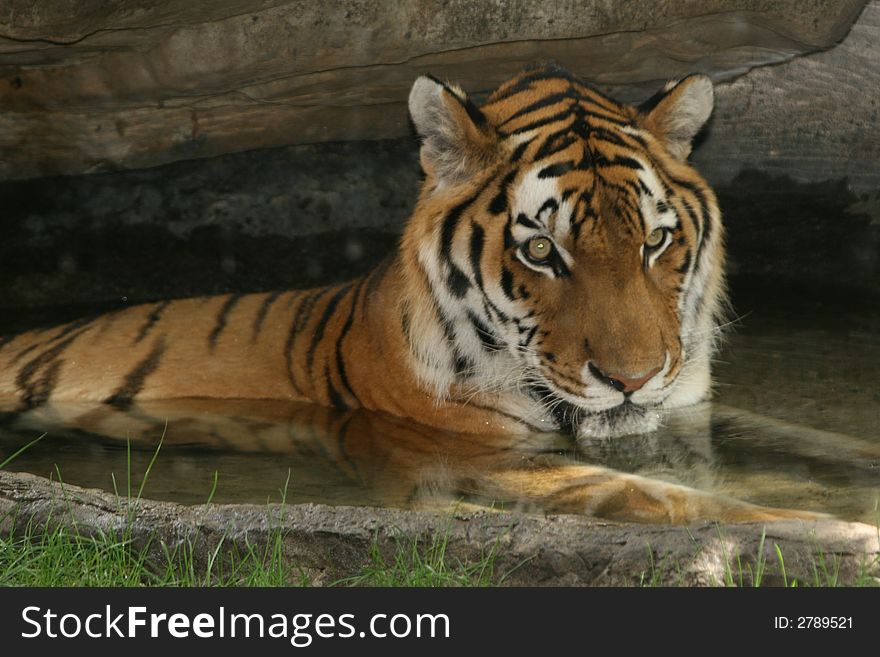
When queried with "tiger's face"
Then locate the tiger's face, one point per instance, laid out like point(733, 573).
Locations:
point(569, 248)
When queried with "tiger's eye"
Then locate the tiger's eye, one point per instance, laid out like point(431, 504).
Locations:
point(655, 238)
point(539, 249)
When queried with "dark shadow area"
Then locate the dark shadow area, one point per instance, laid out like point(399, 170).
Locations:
point(272, 219)
point(809, 240)
point(300, 216)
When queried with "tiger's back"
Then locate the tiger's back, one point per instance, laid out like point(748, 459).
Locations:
point(228, 346)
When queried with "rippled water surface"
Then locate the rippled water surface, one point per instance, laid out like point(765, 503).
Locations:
point(795, 422)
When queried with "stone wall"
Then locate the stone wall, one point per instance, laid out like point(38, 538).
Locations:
point(100, 86)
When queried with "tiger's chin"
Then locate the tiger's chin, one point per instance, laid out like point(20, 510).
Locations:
point(622, 420)
point(574, 417)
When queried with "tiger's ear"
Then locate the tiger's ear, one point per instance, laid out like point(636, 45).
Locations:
point(676, 113)
point(457, 140)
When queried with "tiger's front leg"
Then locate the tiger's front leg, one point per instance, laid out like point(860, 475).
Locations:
point(612, 495)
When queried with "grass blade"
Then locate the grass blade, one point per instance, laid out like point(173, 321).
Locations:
point(16, 453)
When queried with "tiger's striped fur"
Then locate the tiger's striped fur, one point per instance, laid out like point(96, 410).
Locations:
point(462, 328)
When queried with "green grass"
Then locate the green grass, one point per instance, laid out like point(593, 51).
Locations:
point(64, 557)
point(16, 453)
point(746, 570)
point(58, 555)
point(417, 565)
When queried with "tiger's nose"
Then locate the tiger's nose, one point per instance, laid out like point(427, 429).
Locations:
point(622, 383)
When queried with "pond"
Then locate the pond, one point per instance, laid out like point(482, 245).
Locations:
point(795, 422)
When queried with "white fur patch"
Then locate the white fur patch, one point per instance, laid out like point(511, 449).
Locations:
point(532, 192)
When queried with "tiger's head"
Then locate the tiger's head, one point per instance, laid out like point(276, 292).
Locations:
point(564, 247)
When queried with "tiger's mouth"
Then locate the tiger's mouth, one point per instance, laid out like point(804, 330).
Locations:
point(625, 418)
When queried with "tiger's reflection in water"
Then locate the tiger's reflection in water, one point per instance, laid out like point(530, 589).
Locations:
point(389, 461)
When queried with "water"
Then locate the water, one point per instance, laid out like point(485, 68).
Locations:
point(795, 422)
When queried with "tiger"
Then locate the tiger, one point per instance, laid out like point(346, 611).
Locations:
point(562, 272)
